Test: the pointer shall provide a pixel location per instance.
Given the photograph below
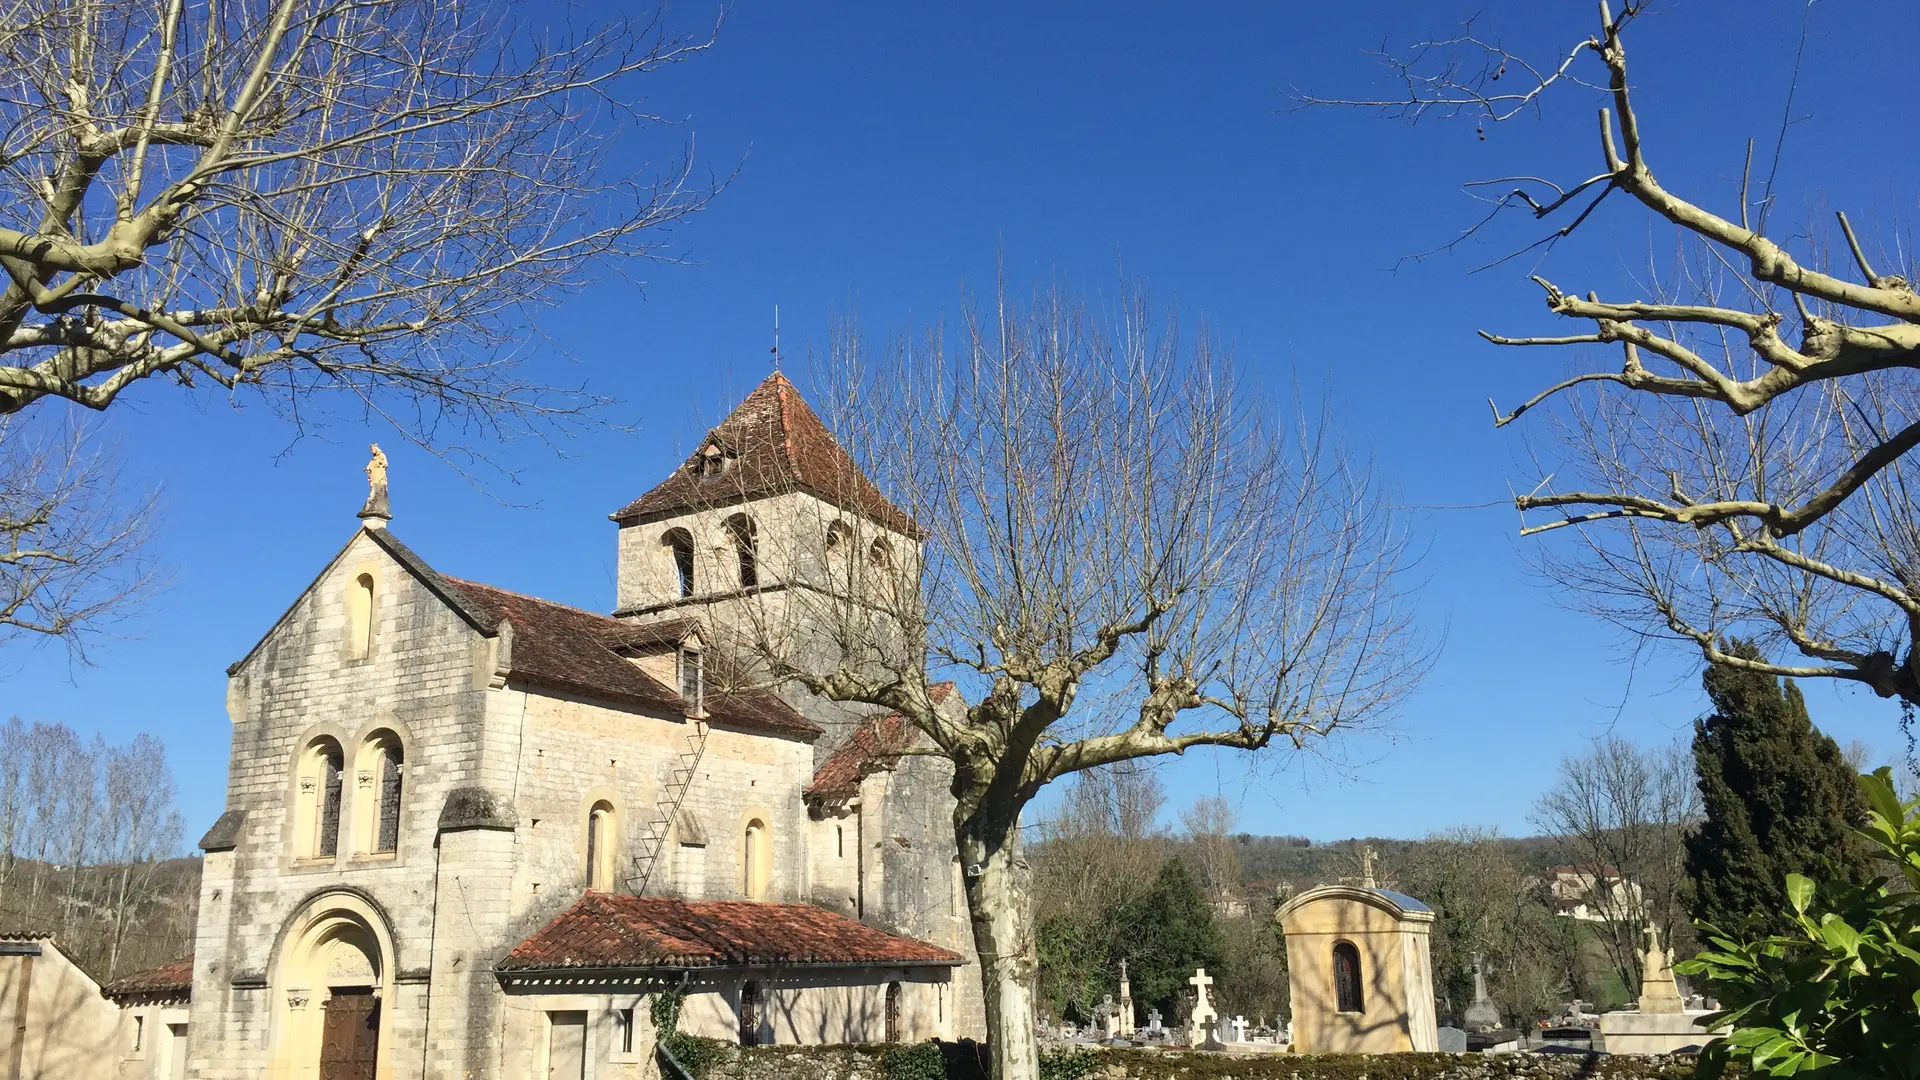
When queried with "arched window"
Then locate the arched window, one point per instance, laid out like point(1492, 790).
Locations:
point(893, 1012)
point(317, 817)
point(880, 554)
point(745, 539)
point(600, 846)
point(755, 861)
point(376, 801)
point(679, 545)
point(360, 617)
point(839, 540)
point(749, 1013)
point(1346, 978)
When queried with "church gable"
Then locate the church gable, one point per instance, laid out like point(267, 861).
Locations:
point(364, 551)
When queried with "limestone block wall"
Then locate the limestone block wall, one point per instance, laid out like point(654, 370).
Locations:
point(914, 886)
point(576, 754)
point(416, 680)
point(791, 534)
point(815, 1006)
point(834, 860)
point(525, 1035)
point(154, 1042)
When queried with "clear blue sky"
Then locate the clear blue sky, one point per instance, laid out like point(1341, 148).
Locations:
point(889, 153)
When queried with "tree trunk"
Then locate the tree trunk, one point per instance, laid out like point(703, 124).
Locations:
point(1000, 903)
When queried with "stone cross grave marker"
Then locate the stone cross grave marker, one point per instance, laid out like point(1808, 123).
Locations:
point(1153, 1022)
point(1239, 1029)
point(1202, 1009)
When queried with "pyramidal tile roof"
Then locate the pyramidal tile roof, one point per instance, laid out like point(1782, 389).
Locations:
point(616, 931)
point(771, 443)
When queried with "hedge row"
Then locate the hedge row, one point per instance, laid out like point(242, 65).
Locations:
point(966, 1061)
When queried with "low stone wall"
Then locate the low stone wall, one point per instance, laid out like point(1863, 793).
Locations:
point(965, 1061)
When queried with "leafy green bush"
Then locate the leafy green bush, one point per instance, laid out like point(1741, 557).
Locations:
point(1837, 995)
point(1066, 1064)
point(698, 1055)
point(921, 1061)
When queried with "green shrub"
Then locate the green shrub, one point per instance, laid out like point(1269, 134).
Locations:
point(1066, 1064)
point(1837, 995)
point(921, 1061)
point(697, 1055)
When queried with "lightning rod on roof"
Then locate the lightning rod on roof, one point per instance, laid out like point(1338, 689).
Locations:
point(776, 337)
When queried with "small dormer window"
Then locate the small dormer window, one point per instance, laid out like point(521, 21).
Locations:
point(691, 682)
point(713, 461)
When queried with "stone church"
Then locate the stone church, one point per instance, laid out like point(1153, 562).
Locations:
point(469, 831)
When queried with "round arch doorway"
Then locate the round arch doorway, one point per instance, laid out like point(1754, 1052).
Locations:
point(333, 972)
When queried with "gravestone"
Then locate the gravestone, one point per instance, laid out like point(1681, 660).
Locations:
point(1658, 991)
point(1482, 1015)
point(1109, 1015)
point(1153, 1024)
point(1239, 1029)
point(1453, 1040)
point(1126, 1003)
point(1203, 1012)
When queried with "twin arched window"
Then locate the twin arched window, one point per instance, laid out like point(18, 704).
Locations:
point(1346, 978)
point(742, 535)
point(320, 797)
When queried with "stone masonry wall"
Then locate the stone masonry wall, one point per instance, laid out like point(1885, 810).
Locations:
point(418, 682)
point(965, 1061)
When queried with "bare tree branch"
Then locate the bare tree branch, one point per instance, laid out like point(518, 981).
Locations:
point(370, 197)
point(1728, 481)
point(73, 548)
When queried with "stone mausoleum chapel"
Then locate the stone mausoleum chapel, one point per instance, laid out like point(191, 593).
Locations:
point(468, 830)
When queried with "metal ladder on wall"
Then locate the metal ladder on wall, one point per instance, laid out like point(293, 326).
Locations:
point(654, 837)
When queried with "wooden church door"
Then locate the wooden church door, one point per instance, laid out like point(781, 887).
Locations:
point(350, 1036)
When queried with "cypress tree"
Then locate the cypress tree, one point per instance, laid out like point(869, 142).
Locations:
point(1779, 798)
point(1165, 933)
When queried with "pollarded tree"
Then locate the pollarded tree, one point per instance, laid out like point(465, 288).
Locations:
point(1121, 552)
point(302, 195)
point(1745, 470)
point(1779, 798)
point(304, 200)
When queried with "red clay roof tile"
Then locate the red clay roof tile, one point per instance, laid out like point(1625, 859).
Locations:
point(611, 930)
point(777, 444)
point(565, 647)
point(175, 979)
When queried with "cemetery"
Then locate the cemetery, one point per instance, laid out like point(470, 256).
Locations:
point(1108, 640)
